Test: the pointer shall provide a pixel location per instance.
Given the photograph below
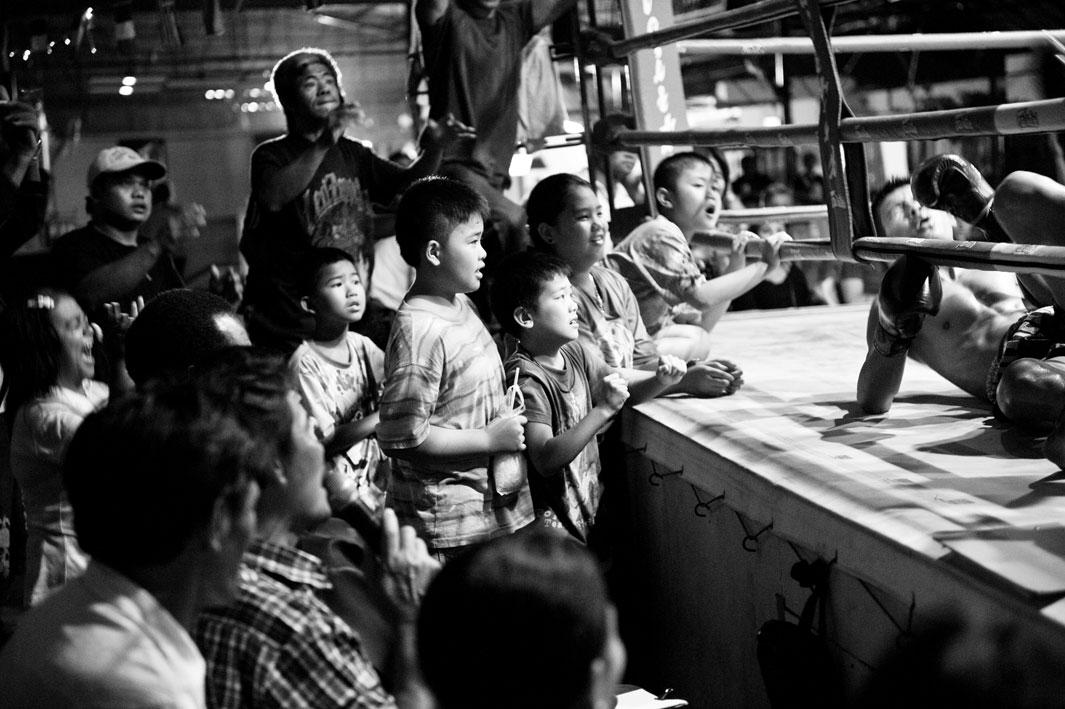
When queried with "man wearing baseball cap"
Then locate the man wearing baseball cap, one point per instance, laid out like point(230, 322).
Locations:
point(105, 261)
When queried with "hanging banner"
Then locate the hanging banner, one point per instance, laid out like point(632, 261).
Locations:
point(657, 91)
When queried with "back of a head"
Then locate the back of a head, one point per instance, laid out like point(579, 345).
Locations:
point(432, 208)
point(668, 172)
point(519, 280)
point(253, 385)
point(143, 475)
point(175, 330)
point(515, 623)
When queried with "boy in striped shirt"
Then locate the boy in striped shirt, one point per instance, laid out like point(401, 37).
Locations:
point(443, 413)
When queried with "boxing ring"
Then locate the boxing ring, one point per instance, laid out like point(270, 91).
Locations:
point(935, 504)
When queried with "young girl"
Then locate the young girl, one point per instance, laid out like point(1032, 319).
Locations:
point(50, 367)
point(566, 219)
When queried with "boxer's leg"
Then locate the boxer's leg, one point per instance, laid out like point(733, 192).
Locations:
point(1031, 209)
point(1031, 392)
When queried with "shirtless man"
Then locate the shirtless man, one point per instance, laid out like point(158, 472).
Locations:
point(976, 337)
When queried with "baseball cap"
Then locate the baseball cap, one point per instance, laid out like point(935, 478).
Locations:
point(121, 159)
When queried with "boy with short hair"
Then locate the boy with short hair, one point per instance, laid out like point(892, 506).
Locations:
point(570, 393)
point(657, 260)
point(443, 415)
point(338, 374)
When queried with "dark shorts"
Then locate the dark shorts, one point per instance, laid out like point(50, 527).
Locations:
point(1039, 334)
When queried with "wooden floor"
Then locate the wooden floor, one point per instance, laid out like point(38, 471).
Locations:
point(934, 503)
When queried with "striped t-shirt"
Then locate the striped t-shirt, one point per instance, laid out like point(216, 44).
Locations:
point(442, 369)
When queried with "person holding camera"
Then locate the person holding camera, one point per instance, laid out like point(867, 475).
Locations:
point(23, 186)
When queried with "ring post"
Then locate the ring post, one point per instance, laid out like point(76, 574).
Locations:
point(837, 191)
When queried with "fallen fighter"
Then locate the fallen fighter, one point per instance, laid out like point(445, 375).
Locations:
point(1015, 362)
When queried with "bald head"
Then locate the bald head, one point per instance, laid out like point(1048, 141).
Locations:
point(178, 329)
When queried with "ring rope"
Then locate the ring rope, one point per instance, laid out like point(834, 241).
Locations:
point(756, 13)
point(977, 255)
point(789, 250)
point(784, 214)
point(954, 41)
point(1026, 117)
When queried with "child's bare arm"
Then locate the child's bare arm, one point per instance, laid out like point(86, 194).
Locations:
point(713, 296)
point(644, 385)
point(504, 434)
point(348, 434)
point(720, 290)
point(549, 453)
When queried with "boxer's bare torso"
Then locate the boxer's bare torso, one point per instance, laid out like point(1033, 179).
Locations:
point(962, 340)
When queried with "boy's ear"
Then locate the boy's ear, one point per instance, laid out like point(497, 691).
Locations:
point(664, 197)
point(305, 304)
point(432, 252)
point(523, 317)
point(544, 231)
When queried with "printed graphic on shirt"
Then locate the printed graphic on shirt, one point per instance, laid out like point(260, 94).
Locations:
point(338, 214)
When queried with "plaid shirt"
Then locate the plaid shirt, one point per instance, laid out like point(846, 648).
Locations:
point(280, 645)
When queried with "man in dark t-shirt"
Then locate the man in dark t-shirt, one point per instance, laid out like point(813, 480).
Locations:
point(105, 260)
point(314, 187)
point(472, 54)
